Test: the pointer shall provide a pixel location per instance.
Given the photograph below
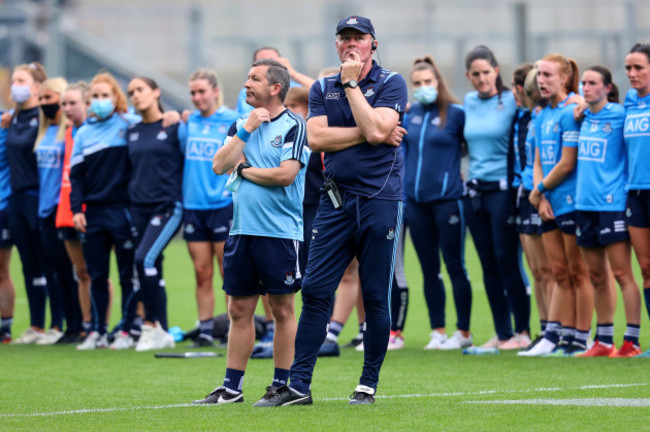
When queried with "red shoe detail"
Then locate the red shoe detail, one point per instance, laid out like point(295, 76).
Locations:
point(599, 350)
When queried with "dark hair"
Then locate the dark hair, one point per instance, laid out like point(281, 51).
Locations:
point(445, 97)
point(567, 67)
point(153, 86)
point(606, 75)
point(276, 73)
point(520, 74)
point(481, 52)
point(264, 48)
point(641, 48)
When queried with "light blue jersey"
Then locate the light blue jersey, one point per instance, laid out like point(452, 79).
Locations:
point(272, 211)
point(637, 139)
point(527, 173)
point(5, 187)
point(49, 159)
point(558, 129)
point(602, 172)
point(200, 139)
point(488, 124)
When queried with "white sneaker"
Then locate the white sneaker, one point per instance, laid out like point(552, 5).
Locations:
point(50, 337)
point(456, 341)
point(395, 342)
point(122, 340)
point(359, 347)
point(544, 347)
point(492, 343)
point(153, 338)
point(437, 339)
point(29, 337)
point(93, 341)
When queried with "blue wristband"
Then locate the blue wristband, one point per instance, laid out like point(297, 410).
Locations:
point(243, 134)
point(541, 188)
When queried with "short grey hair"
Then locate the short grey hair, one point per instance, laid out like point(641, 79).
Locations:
point(276, 73)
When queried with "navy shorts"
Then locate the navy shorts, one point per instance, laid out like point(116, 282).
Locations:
point(566, 223)
point(261, 265)
point(637, 213)
point(207, 225)
point(527, 221)
point(5, 235)
point(67, 234)
point(598, 229)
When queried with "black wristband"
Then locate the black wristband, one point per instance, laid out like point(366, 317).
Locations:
point(242, 166)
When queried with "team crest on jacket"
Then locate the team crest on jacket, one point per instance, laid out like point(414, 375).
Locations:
point(289, 279)
point(162, 135)
point(277, 141)
point(607, 128)
point(391, 234)
point(134, 136)
point(369, 92)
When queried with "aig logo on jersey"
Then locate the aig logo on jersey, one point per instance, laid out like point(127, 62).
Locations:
point(592, 149)
point(637, 125)
point(202, 149)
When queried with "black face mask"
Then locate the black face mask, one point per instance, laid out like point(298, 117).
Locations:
point(50, 110)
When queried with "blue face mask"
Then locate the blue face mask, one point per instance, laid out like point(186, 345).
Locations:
point(20, 93)
point(102, 108)
point(426, 95)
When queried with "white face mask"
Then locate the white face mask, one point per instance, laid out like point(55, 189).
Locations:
point(426, 95)
point(20, 93)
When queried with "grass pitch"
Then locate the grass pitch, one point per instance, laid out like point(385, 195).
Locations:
point(58, 388)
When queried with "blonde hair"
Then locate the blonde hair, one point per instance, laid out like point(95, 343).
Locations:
point(211, 77)
point(121, 104)
point(57, 85)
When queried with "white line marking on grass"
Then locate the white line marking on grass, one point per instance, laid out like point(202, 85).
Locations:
point(404, 396)
point(597, 402)
point(489, 392)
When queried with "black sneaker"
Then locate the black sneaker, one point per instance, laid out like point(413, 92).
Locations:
point(283, 396)
point(355, 342)
point(220, 395)
point(363, 395)
point(202, 342)
point(70, 338)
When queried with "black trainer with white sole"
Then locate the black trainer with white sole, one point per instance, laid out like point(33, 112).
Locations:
point(283, 396)
point(363, 395)
point(220, 395)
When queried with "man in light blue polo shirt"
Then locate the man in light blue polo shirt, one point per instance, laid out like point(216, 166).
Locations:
point(266, 152)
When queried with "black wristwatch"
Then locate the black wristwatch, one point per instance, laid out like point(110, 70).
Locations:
point(242, 166)
point(350, 84)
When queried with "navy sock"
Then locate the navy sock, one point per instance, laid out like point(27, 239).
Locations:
point(581, 338)
point(5, 325)
point(568, 335)
point(205, 328)
point(234, 380)
point(542, 326)
point(605, 333)
point(552, 332)
point(646, 294)
point(632, 334)
point(334, 330)
point(280, 377)
point(87, 326)
point(301, 387)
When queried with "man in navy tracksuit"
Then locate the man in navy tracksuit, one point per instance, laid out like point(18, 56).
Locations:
point(353, 119)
